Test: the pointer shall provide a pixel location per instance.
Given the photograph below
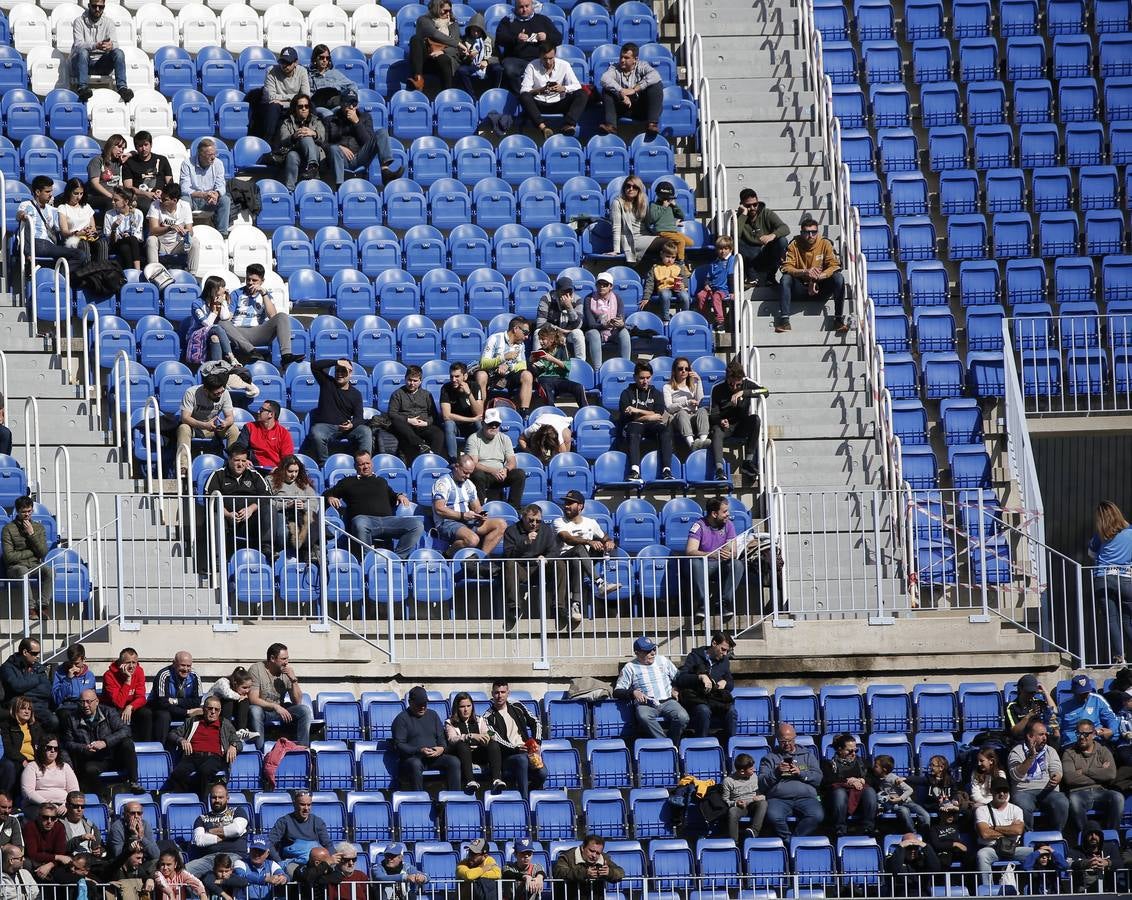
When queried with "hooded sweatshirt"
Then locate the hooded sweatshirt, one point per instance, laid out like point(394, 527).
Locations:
point(66, 689)
point(120, 693)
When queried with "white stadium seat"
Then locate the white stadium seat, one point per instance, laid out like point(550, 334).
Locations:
point(373, 28)
point(198, 27)
point(284, 26)
point(329, 25)
point(150, 111)
point(247, 245)
point(157, 28)
point(30, 27)
point(173, 149)
point(108, 114)
point(123, 21)
point(62, 22)
point(241, 28)
point(139, 69)
point(46, 68)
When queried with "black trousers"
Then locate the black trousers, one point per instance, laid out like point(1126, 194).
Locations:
point(489, 488)
point(203, 768)
point(88, 766)
point(442, 66)
point(410, 438)
point(571, 106)
point(485, 754)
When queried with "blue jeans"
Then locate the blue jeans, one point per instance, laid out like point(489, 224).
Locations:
point(683, 298)
point(221, 212)
point(675, 717)
point(82, 67)
point(911, 816)
point(453, 431)
point(300, 712)
point(412, 768)
point(359, 438)
point(807, 810)
point(619, 339)
point(723, 578)
point(517, 770)
point(219, 346)
point(304, 153)
point(838, 800)
point(1108, 804)
point(408, 531)
point(702, 719)
point(376, 147)
point(1117, 593)
point(1054, 806)
point(764, 259)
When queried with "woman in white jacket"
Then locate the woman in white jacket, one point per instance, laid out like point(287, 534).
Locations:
point(470, 739)
point(683, 400)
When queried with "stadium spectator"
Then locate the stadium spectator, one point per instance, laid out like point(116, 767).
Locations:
point(936, 786)
point(503, 366)
point(894, 794)
point(22, 737)
point(547, 436)
point(76, 221)
point(458, 513)
point(665, 216)
point(631, 88)
point(16, 881)
point(667, 280)
point(585, 871)
point(221, 830)
point(732, 418)
point(494, 455)
point(129, 828)
point(205, 335)
point(302, 138)
point(715, 282)
point(204, 183)
point(45, 841)
point(337, 875)
point(73, 879)
point(811, 270)
point(134, 867)
point(371, 505)
point(531, 540)
point(123, 689)
point(354, 142)
point(414, 418)
point(999, 826)
point(275, 687)
point(233, 692)
point(744, 802)
point(44, 220)
point(222, 880)
point(1110, 549)
point(123, 229)
point(176, 693)
point(558, 309)
point(295, 500)
point(98, 739)
point(1095, 861)
point(248, 517)
point(763, 239)
point(95, 51)
point(327, 83)
point(523, 878)
point(1035, 769)
point(83, 836)
point(1089, 771)
point(947, 837)
point(1045, 867)
point(170, 224)
point(208, 747)
point(146, 173)
point(48, 778)
point(340, 413)
point(477, 872)
point(23, 674)
point(719, 567)
point(295, 834)
point(11, 827)
point(479, 68)
point(518, 39)
point(705, 683)
point(683, 401)
point(983, 775)
point(24, 543)
point(104, 172)
point(206, 412)
point(550, 364)
point(172, 882)
point(256, 321)
point(1086, 705)
point(418, 739)
point(395, 877)
point(267, 441)
point(647, 681)
point(642, 415)
point(911, 857)
point(1032, 703)
point(518, 734)
point(283, 82)
point(579, 535)
point(846, 789)
point(550, 86)
point(603, 318)
point(461, 408)
point(790, 776)
point(263, 874)
point(627, 212)
point(435, 46)
point(469, 740)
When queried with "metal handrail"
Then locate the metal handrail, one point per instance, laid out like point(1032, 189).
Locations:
point(25, 241)
point(63, 268)
point(94, 534)
point(63, 457)
point(119, 431)
point(31, 442)
point(152, 406)
point(92, 375)
point(4, 234)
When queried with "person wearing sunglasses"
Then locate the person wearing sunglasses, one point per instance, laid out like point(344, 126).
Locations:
point(811, 271)
point(23, 673)
point(48, 778)
point(1089, 772)
point(763, 239)
point(95, 51)
point(45, 842)
point(208, 746)
point(326, 81)
point(282, 84)
point(436, 46)
point(302, 137)
point(16, 882)
point(83, 836)
point(354, 142)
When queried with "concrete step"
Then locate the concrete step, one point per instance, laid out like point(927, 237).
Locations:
point(810, 424)
point(780, 187)
point(784, 368)
point(759, 99)
point(754, 56)
point(853, 517)
point(742, 11)
point(842, 404)
point(761, 22)
point(827, 463)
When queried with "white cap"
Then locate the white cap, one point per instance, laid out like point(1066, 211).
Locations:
point(606, 277)
point(492, 415)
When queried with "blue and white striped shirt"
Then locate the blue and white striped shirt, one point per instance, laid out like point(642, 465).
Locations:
point(457, 497)
point(654, 681)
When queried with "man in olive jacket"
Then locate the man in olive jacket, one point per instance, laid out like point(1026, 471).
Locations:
point(25, 548)
point(763, 239)
point(583, 872)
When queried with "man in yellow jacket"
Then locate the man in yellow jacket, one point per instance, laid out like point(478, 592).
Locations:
point(475, 872)
point(811, 270)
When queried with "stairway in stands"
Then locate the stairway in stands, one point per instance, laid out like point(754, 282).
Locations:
point(819, 412)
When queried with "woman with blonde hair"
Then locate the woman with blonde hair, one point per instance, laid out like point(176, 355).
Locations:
point(683, 400)
point(628, 212)
point(1111, 549)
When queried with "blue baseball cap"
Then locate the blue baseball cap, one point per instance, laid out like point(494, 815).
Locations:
point(1083, 684)
point(258, 843)
point(524, 846)
point(644, 645)
point(394, 850)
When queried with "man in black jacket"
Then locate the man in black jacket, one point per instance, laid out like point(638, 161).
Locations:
point(732, 419)
point(23, 675)
point(371, 504)
point(514, 726)
point(643, 415)
point(517, 40)
point(533, 540)
point(418, 738)
point(208, 747)
point(97, 739)
point(705, 670)
point(414, 418)
point(246, 504)
point(339, 413)
point(354, 142)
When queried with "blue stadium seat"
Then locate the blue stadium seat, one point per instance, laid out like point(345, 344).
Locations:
point(553, 815)
point(1085, 144)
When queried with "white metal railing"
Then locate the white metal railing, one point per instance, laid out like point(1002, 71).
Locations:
point(61, 285)
point(92, 363)
point(5, 285)
point(32, 451)
point(25, 242)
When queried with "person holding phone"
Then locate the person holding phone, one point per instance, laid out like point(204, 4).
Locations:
point(550, 86)
point(459, 516)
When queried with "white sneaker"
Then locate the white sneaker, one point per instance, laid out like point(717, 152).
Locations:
point(634, 473)
point(246, 734)
point(576, 612)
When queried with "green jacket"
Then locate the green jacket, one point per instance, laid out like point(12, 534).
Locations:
point(21, 550)
point(766, 221)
